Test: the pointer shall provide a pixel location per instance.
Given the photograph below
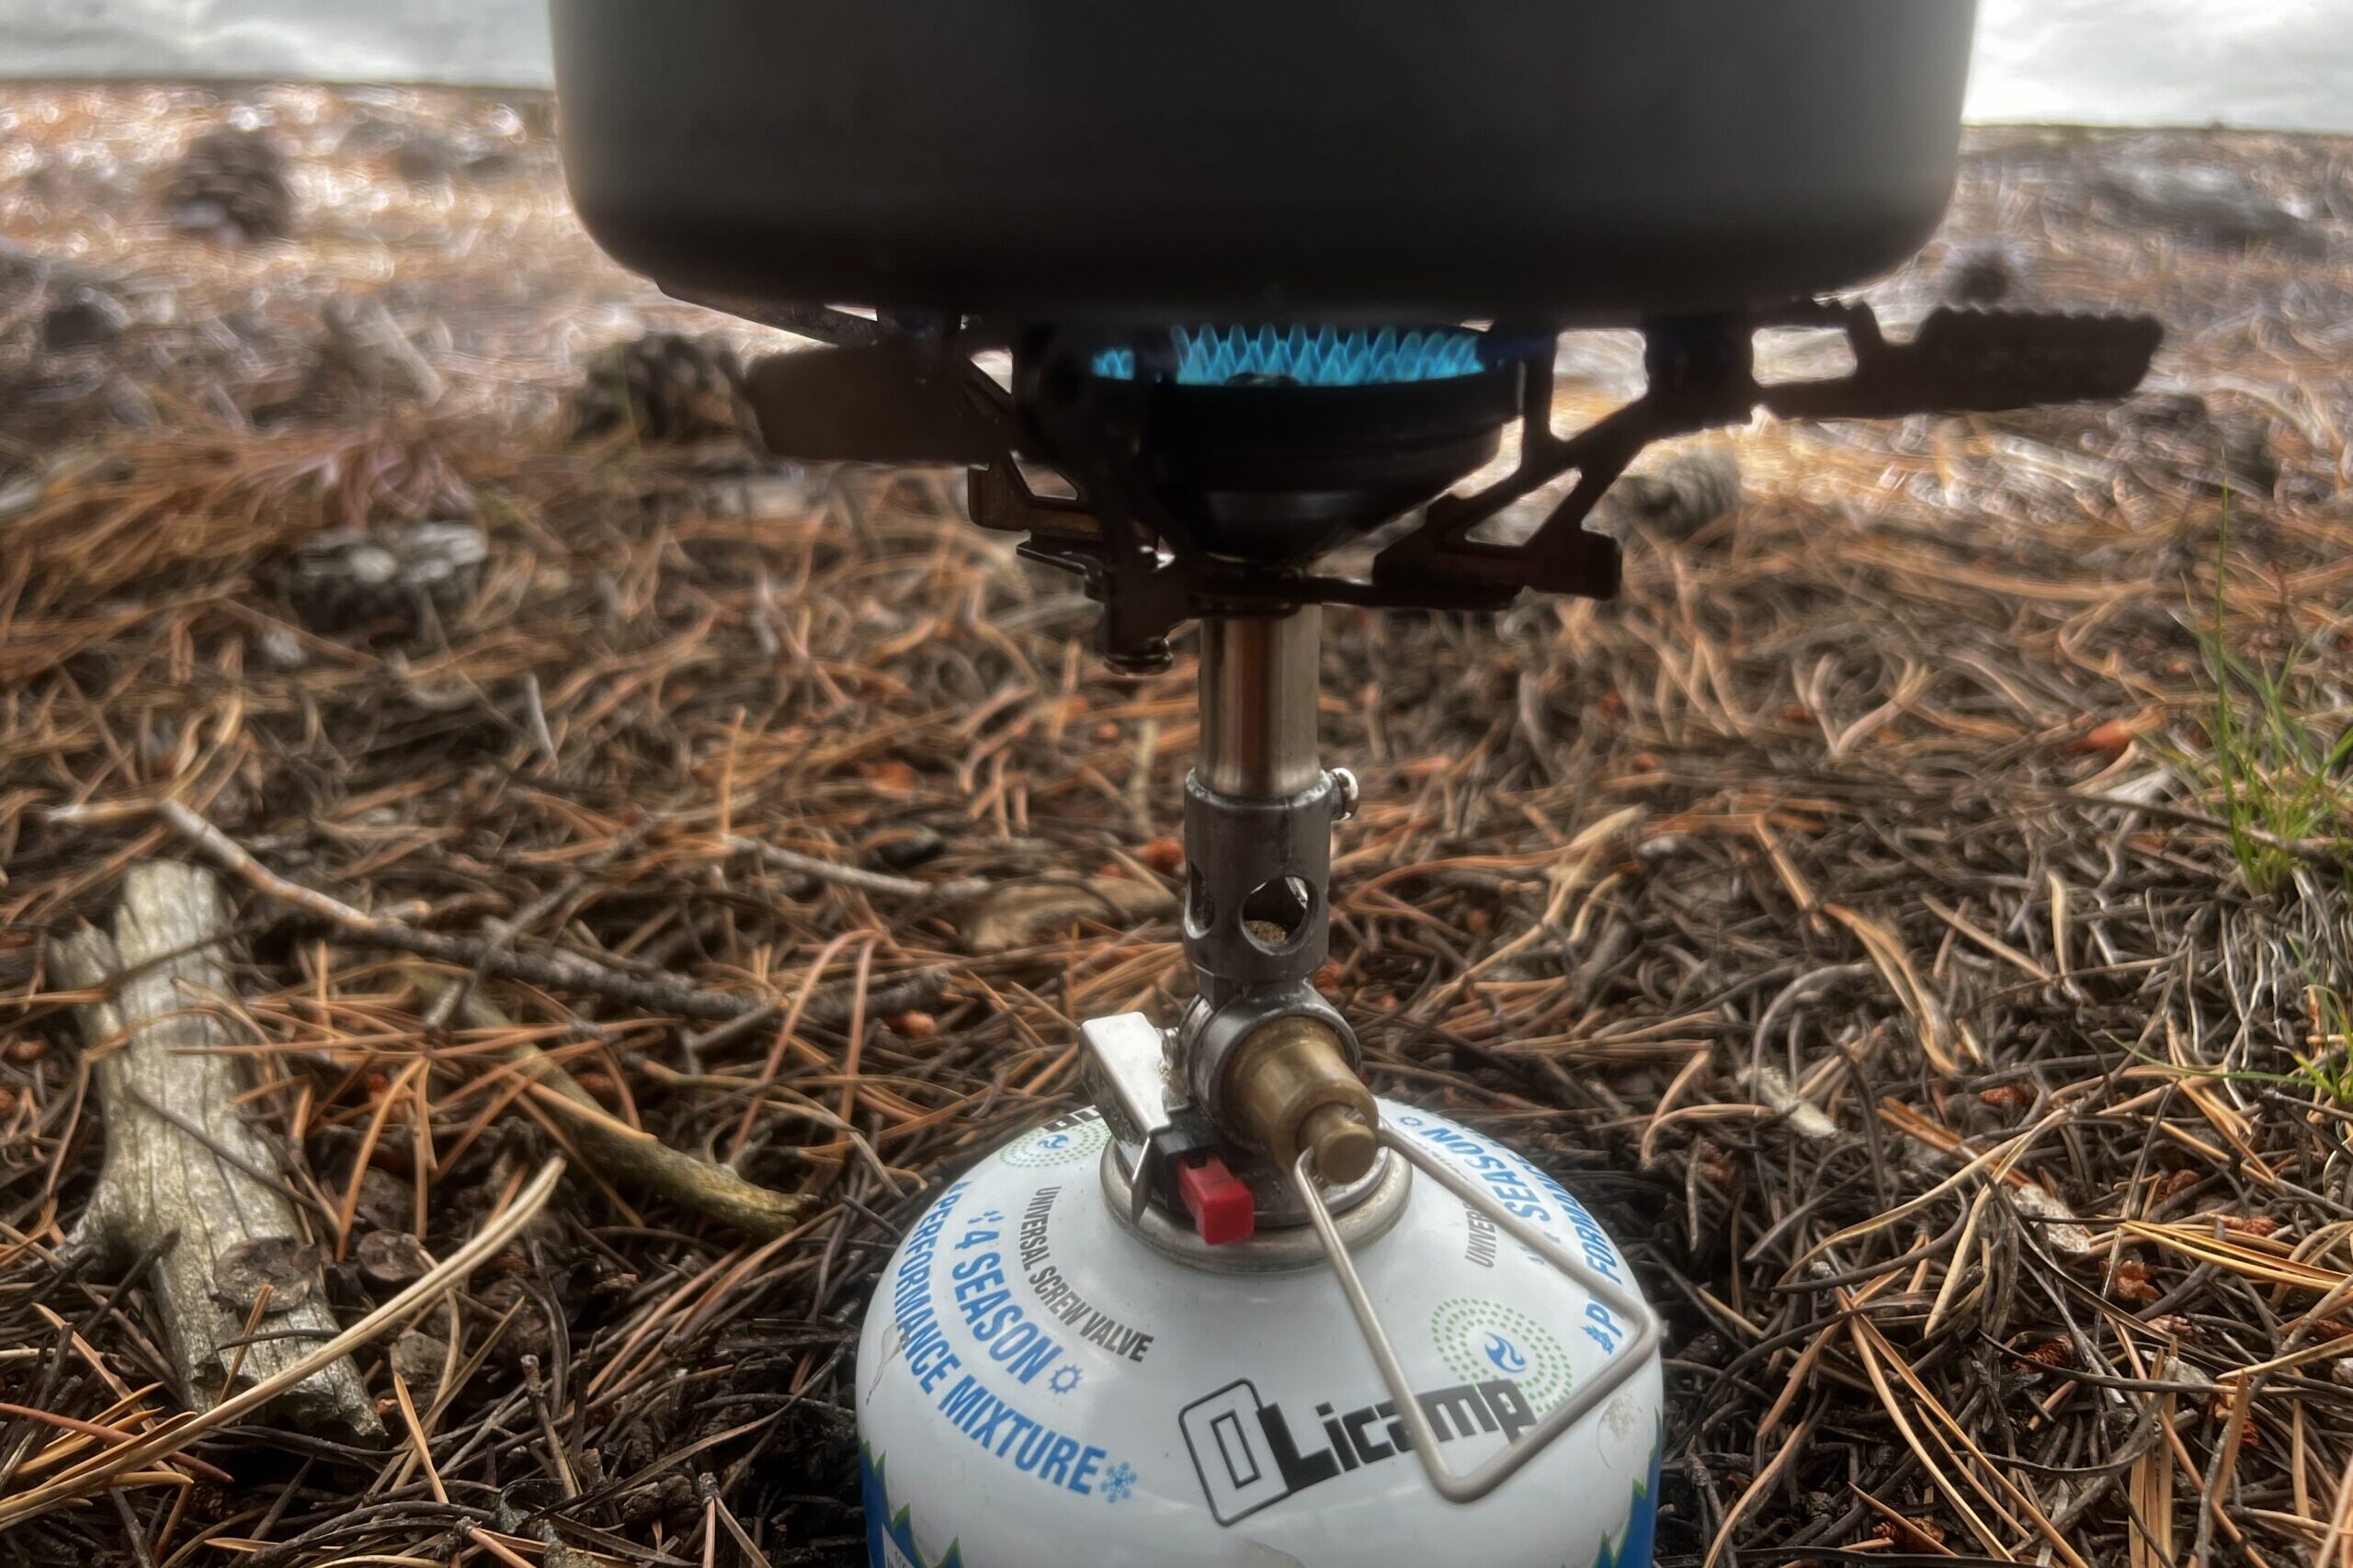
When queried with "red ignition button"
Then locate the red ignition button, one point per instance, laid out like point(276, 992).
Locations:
point(1216, 1198)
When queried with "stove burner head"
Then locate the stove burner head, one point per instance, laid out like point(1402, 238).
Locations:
point(1214, 467)
point(1273, 443)
point(1304, 357)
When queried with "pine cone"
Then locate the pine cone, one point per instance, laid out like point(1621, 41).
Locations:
point(1984, 274)
point(1693, 489)
point(352, 579)
point(230, 187)
point(664, 388)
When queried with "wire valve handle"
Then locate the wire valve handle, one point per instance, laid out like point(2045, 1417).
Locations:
point(1624, 1362)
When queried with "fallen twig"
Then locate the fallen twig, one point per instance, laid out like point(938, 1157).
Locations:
point(883, 882)
point(563, 972)
point(709, 1189)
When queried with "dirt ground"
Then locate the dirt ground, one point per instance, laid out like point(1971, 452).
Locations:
point(1914, 916)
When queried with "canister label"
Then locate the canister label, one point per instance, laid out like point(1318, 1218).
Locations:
point(1049, 1389)
point(890, 1533)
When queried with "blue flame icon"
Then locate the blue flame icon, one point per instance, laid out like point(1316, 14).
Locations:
point(1505, 1355)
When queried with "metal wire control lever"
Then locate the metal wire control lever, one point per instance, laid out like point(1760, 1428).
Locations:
point(1626, 1361)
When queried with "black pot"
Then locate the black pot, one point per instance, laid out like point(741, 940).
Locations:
point(1550, 162)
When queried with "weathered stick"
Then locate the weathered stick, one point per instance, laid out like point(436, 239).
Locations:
point(176, 1433)
point(707, 1187)
point(182, 1160)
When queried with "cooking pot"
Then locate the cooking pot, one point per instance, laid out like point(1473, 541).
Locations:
point(1549, 162)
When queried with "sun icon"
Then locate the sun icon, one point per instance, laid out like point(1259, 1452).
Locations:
point(1064, 1381)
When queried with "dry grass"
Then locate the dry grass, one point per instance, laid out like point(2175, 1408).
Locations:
point(1879, 804)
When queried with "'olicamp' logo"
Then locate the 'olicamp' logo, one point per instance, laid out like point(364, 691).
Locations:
point(1249, 1454)
point(1479, 1338)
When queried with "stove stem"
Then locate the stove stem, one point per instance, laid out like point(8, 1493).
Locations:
point(1262, 1053)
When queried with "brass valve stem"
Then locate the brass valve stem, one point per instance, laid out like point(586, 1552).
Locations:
point(1290, 1088)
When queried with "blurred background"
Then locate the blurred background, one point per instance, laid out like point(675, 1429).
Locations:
point(1930, 779)
point(2271, 64)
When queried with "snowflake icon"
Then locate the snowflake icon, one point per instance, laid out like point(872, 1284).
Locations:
point(1118, 1482)
point(1064, 1381)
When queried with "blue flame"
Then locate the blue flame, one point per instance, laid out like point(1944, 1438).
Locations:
point(1308, 356)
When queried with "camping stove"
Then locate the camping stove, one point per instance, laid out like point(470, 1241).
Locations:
point(1120, 1338)
point(1238, 1310)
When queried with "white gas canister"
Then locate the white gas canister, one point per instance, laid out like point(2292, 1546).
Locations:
point(1037, 1383)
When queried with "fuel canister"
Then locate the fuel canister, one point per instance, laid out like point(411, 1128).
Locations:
point(1045, 1376)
